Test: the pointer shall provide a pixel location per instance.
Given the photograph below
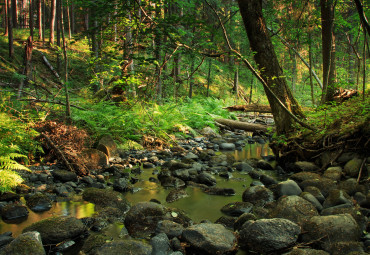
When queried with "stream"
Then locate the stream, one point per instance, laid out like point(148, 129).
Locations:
point(198, 205)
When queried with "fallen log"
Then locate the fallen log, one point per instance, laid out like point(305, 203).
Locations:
point(250, 108)
point(233, 124)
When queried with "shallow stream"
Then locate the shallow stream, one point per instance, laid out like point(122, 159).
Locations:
point(198, 205)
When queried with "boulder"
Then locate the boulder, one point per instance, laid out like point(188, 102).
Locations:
point(25, 244)
point(237, 208)
point(208, 238)
point(64, 175)
point(302, 251)
point(227, 146)
point(305, 166)
point(142, 219)
point(288, 188)
point(206, 178)
point(264, 165)
point(103, 198)
point(337, 197)
point(293, 208)
point(171, 182)
point(57, 229)
point(315, 192)
point(209, 132)
point(352, 167)
point(333, 173)
point(242, 167)
point(121, 185)
point(312, 199)
point(258, 195)
point(94, 242)
point(94, 159)
point(38, 202)
point(127, 247)
point(5, 238)
point(227, 221)
point(170, 228)
point(268, 235)
point(326, 230)
point(175, 195)
point(160, 245)
point(14, 211)
point(242, 219)
point(303, 176)
point(107, 145)
point(323, 184)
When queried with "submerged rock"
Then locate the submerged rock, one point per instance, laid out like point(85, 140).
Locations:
point(57, 229)
point(38, 202)
point(268, 235)
point(127, 247)
point(208, 238)
point(175, 195)
point(237, 208)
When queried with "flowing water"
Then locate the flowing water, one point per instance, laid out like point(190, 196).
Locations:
point(198, 205)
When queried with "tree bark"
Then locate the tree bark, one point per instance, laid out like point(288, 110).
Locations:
point(52, 21)
point(6, 14)
point(10, 30)
point(14, 13)
point(270, 70)
point(40, 17)
point(242, 125)
point(31, 18)
point(250, 108)
point(362, 15)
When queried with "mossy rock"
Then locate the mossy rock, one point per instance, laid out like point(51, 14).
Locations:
point(105, 198)
point(38, 202)
point(127, 247)
point(57, 229)
point(25, 244)
point(94, 242)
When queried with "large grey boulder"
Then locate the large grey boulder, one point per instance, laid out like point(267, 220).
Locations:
point(288, 188)
point(293, 208)
point(324, 231)
point(57, 229)
point(38, 202)
point(337, 197)
point(258, 195)
point(227, 146)
point(14, 211)
point(64, 175)
point(268, 235)
point(352, 167)
point(25, 244)
point(208, 238)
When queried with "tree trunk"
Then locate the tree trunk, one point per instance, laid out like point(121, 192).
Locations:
point(250, 108)
point(209, 75)
point(52, 20)
point(310, 61)
point(6, 14)
point(58, 20)
point(40, 15)
point(236, 85)
point(242, 125)
point(69, 22)
point(14, 13)
point(31, 18)
point(271, 72)
point(328, 66)
point(10, 30)
point(191, 79)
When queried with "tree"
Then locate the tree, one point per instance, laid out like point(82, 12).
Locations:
point(10, 30)
point(40, 17)
point(6, 27)
point(14, 13)
point(268, 65)
point(52, 21)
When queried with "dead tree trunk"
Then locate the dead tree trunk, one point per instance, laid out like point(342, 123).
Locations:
point(250, 127)
point(250, 108)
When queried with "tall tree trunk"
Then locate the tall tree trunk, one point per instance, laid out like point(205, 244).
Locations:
point(190, 78)
point(31, 18)
point(58, 21)
point(328, 48)
point(10, 30)
point(73, 29)
point(68, 107)
point(271, 72)
point(40, 17)
point(14, 13)
point(52, 20)
point(6, 14)
point(209, 75)
point(43, 21)
point(69, 22)
point(236, 85)
point(310, 61)
point(364, 73)
point(157, 52)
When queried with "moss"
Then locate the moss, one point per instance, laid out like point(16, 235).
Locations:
point(24, 245)
point(105, 198)
point(94, 242)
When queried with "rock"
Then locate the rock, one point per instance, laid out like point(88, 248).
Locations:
point(315, 192)
point(5, 238)
point(302, 251)
point(242, 219)
point(160, 245)
point(209, 132)
point(62, 191)
point(9, 197)
point(147, 165)
point(88, 180)
point(268, 235)
point(170, 228)
point(267, 180)
point(237, 208)
point(206, 178)
point(264, 165)
point(333, 173)
point(312, 199)
point(352, 167)
point(293, 208)
point(191, 155)
point(350, 186)
point(337, 197)
point(326, 230)
point(57, 229)
point(227, 146)
point(127, 247)
point(171, 182)
point(121, 185)
point(25, 244)
point(208, 238)
point(345, 248)
point(324, 184)
point(227, 221)
point(303, 176)
point(108, 146)
point(258, 195)
point(14, 211)
point(218, 160)
point(142, 219)
point(288, 188)
point(347, 156)
point(175, 195)
point(64, 175)
point(94, 159)
point(105, 198)
point(94, 242)
point(356, 213)
point(305, 166)
point(219, 191)
point(182, 174)
point(38, 202)
point(242, 167)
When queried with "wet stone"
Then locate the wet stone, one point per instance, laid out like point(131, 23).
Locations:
point(14, 211)
point(38, 202)
point(237, 208)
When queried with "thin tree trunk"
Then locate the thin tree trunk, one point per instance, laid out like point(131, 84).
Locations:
point(73, 29)
point(14, 13)
point(41, 16)
point(58, 20)
point(209, 75)
point(364, 73)
point(310, 60)
point(10, 30)
point(251, 91)
point(31, 18)
point(270, 70)
point(6, 14)
point(191, 79)
point(52, 21)
point(236, 85)
point(69, 22)
point(43, 21)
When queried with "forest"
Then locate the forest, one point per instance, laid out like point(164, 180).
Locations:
point(184, 127)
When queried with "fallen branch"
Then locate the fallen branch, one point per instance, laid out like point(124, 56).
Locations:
point(242, 125)
point(249, 108)
point(35, 100)
point(58, 151)
point(360, 173)
point(50, 66)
